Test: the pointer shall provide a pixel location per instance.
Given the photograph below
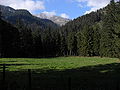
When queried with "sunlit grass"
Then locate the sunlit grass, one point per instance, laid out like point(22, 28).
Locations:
point(59, 63)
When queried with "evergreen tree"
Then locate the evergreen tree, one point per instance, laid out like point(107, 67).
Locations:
point(26, 40)
point(72, 43)
point(57, 44)
point(38, 46)
point(96, 40)
point(0, 40)
point(107, 47)
point(79, 43)
point(116, 31)
point(90, 41)
point(63, 46)
point(47, 41)
point(85, 41)
point(9, 40)
point(82, 39)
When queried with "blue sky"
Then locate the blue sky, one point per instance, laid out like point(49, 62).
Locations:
point(69, 8)
point(64, 8)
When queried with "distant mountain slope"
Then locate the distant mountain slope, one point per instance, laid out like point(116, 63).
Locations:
point(11, 15)
point(56, 19)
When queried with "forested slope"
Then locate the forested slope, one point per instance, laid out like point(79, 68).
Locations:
point(95, 34)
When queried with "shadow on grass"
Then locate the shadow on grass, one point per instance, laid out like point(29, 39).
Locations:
point(100, 77)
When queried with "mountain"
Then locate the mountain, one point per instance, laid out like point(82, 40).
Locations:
point(56, 19)
point(13, 16)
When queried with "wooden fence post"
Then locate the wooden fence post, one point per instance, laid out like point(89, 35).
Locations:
point(117, 85)
point(29, 79)
point(69, 83)
point(4, 72)
point(4, 77)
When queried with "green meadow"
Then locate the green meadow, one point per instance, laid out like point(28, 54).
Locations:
point(62, 73)
point(59, 63)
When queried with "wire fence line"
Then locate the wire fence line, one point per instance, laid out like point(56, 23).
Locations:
point(30, 83)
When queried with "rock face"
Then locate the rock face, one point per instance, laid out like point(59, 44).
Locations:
point(56, 19)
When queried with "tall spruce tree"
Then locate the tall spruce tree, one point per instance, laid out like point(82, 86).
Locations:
point(82, 39)
point(38, 50)
point(90, 38)
point(96, 39)
point(107, 47)
point(0, 39)
point(72, 43)
point(117, 29)
point(26, 40)
point(63, 46)
point(79, 43)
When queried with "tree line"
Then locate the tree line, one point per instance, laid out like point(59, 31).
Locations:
point(94, 34)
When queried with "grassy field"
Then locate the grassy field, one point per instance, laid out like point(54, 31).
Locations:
point(86, 73)
point(60, 63)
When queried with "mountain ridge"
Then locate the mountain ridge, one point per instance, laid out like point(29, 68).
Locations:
point(56, 19)
point(9, 12)
point(14, 15)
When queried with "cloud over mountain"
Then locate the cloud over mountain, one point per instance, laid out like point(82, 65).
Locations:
point(31, 5)
point(49, 14)
point(64, 15)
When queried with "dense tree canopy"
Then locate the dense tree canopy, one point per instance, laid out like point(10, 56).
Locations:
point(9, 40)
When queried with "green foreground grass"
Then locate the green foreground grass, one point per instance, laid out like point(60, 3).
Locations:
point(59, 63)
point(86, 73)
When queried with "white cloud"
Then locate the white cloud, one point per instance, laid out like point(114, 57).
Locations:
point(64, 15)
point(50, 14)
point(53, 13)
point(95, 4)
point(80, 5)
point(30, 5)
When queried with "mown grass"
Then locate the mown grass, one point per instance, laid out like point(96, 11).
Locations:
point(59, 63)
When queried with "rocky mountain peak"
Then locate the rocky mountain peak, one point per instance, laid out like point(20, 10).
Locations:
point(56, 19)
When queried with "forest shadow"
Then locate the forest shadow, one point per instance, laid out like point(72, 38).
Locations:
point(99, 77)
